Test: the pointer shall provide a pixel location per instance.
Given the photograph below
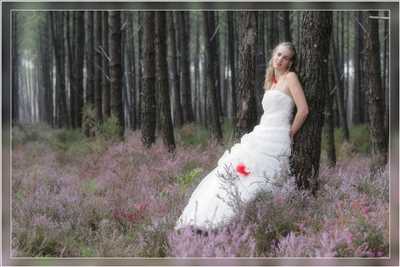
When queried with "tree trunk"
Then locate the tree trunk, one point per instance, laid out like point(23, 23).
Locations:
point(247, 115)
point(329, 120)
point(339, 79)
point(185, 67)
point(376, 108)
point(260, 65)
point(89, 58)
point(231, 49)
point(357, 72)
point(79, 52)
point(177, 106)
point(45, 67)
point(98, 65)
point(69, 41)
point(61, 97)
point(114, 20)
point(215, 128)
point(284, 26)
point(132, 60)
point(149, 97)
point(167, 129)
point(305, 158)
point(106, 68)
point(214, 45)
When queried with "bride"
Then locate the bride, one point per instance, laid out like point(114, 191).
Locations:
point(253, 165)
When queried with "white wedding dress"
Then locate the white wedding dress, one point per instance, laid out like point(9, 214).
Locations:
point(264, 151)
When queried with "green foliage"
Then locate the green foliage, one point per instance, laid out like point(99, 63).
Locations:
point(89, 186)
point(70, 144)
point(38, 243)
point(373, 236)
point(359, 142)
point(188, 177)
point(196, 134)
point(86, 251)
point(23, 134)
point(89, 120)
point(359, 135)
point(110, 128)
point(192, 135)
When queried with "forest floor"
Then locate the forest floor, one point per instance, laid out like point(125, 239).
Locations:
point(100, 197)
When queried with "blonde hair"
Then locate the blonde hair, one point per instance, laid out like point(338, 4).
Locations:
point(270, 72)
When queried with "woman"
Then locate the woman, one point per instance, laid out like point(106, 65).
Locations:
point(260, 158)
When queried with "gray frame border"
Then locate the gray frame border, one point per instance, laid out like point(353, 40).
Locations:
point(299, 6)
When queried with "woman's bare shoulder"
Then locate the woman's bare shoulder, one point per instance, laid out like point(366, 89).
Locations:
point(292, 75)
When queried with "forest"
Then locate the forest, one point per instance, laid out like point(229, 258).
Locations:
point(117, 116)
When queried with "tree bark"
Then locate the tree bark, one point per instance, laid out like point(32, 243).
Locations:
point(98, 68)
point(89, 47)
point(284, 26)
point(114, 21)
point(231, 50)
point(149, 97)
point(316, 31)
point(376, 108)
point(339, 79)
point(329, 120)
point(167, 129)
point(61, 97)
point(185, 67)
point(247, 115)
point(79, 52)
point(215, 128)
point(357, 72)
point(177, 106)
point(106, 68)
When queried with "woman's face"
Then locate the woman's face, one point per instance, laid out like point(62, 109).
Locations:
point(282, 58)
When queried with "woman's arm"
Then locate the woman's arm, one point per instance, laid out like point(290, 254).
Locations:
point(300, 100)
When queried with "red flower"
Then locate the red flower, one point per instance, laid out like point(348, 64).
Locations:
point(241, 169)
point(274, 79)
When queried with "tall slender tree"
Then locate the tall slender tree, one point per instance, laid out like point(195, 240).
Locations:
point(216, 130)
point(231, 57)
point(79, 56)
point(376, 108)
point(167, 129)
point(184, 66)
point(59, 50)
point(149, 96)
point(98, 68)
point(106, 67)
point(176, 103)
point(339, 79)
point(116, 69)
point(89, 56)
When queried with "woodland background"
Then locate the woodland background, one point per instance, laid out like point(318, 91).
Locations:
point(117, 115)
